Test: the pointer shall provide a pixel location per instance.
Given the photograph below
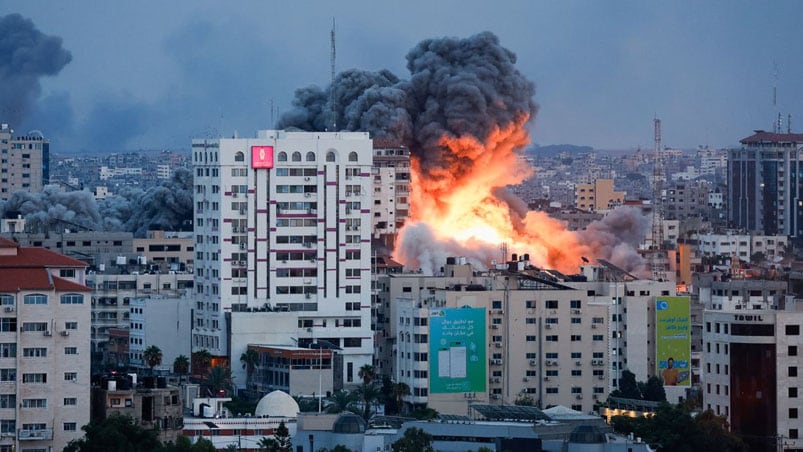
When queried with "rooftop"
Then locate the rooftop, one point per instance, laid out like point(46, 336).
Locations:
point(761, 136)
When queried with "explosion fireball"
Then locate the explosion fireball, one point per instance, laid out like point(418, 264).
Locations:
point(464, 114)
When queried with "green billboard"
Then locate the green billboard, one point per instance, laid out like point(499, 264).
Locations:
point(457, 350)
point(673, 340)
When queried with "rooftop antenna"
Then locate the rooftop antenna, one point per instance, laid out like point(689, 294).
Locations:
point(332, 85)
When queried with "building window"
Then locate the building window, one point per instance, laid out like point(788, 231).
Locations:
point(70, 350)
point(310, 156)
point(792, 433)
point(239, 157)
point(792, 350)
point(34, 403)
point(70, 401)
point(36, 298)
point(34, 352)
point(792, 330)
point(793, 371)
point(72, 298)
point(552, 304)
point(6, 299)
point(281, 156)
point(70, 427)
point(792, 413)
point(70, 376)
point(792, 393)
point(34, 378)
point(330, 156)
point(352, 156)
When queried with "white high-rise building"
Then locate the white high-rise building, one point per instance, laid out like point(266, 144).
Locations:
point(282, 244)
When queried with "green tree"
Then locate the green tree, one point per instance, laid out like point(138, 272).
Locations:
point(181, 365)
point(249, 360)
point(152, 356)
point(341, 448)
point(367, 372)
point(219, 379)
point(340, 401)
point(628, 387)
point(201, 360)
point(673, 428)
point(116, 432)
point(414, 440)
point(653, 390)
point(281, 441)
point(368, 394)
point(400, 391)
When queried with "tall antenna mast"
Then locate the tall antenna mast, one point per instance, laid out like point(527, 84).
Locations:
point(332, 84)
point(657, 255)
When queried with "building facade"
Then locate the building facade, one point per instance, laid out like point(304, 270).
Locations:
point(764, 184)
point(598, 195)
point(283, 224)
point(24, 162)
point(44, 349)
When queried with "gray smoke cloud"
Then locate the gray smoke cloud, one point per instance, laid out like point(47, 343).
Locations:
point(167, 206)
point(616, 236)
point(457, 88)
point(26, 55)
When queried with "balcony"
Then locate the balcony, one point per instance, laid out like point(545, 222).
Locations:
point(35, 435)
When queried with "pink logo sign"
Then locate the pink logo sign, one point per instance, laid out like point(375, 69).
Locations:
point(261, 156)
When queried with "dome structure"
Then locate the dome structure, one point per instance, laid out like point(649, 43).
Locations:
point(349, 423)
point(277, 404)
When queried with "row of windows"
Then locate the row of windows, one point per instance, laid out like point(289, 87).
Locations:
point(38, 298)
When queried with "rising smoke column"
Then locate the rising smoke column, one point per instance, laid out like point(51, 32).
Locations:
point(167, 206)
point(26, 54)
point(463, 114)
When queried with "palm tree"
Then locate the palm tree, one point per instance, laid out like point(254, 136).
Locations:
point(250, 359)
point(152, 356)
point(367, 373)
point(181, 365)
point(201, 360)
point(400, 390)
point(340, 402)
point(219, 379)
point(368, 393)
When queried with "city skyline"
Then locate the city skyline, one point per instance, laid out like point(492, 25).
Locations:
point(139, 78)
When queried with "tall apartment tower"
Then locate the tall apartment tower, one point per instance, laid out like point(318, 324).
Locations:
point(44, 348)
point(283, 227)
point(764, 186)
point(391, 187)
point(24, 162)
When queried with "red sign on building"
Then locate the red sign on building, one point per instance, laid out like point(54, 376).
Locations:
point(261, 156)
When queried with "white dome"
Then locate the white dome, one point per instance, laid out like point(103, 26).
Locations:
point(277, 404)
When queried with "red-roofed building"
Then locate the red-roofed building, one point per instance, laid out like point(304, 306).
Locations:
point(44, 348)
point(764, 184)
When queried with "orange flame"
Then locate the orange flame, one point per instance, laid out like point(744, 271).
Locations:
point(459, 203)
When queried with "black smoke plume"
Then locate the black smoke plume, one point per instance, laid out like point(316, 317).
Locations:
point(457, 87)
point(26, 54)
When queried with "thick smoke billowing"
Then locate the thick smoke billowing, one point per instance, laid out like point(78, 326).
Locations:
point(167, 206)
point(26, 54)
point(457, 87)
point(460, 92)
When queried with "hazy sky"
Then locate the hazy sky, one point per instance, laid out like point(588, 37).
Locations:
point(155, 74)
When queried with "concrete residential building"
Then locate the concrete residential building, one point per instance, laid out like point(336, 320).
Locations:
point(391, 188)
point(44, 349)
point(764, 184)
point(751, 361)
point(24, 162)
point(283, 225)
point(165, 322)
point(742, 246)
point(167, 250)
point(598, 195)
point(112, 296)
point(557, 339)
